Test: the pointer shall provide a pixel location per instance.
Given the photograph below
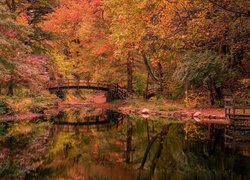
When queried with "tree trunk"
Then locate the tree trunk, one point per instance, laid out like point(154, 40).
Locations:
point(160, 72)
point(212, 100)
point(10, 88)
point(146, 92)
point(156, 157)
point(130, 72)
point(149, 69)
point(218, 93)
point(186, 89)
point(211, 87)
point(149, 146)
point(129, 141)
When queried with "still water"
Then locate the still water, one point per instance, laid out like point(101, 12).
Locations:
point(104, 144)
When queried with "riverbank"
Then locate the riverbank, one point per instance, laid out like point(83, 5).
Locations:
point(166, 108)
point(160, 108)
point(26, 106)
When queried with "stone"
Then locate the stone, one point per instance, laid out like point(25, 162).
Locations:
point(146, 116)
point(197, 114)
point(145, 111)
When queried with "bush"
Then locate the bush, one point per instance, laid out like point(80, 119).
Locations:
point(18, 105)
point(8, 166)
point(4, 108)
point(174, 90)
point(3, 127)
point(37, 108)
point(196, 99)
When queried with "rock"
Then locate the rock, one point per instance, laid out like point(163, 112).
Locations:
point(145, 116)
point(145, 111)
point(153, 99)
point(197, 119)
point(197, 114)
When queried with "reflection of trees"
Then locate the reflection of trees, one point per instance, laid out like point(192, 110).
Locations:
point(160, 138)
point(129, 141)
point(237, 137)
point(22, 146)
point(205, 158)
point(136, 129)
point(78, 115)
point(177, 152)
point(197, 131)
point(175, 156)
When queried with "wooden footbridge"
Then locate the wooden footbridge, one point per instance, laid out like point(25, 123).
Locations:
point(237, 109)
point(237, 133)
point(66, 84)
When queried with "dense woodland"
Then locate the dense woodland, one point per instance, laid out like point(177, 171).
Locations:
point(184, 49)
point(175, 62)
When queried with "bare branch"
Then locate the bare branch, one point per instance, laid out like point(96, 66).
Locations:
point(224, 7)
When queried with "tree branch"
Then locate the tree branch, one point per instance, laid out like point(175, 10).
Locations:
point(148, 66)
point(224, 7)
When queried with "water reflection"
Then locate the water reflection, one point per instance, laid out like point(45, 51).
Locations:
point(86, 119)
point(237, 137)
point(104, 144)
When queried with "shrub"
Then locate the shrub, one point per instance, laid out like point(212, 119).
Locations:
point(196, 99)
point(4, 108)
point(19, 105)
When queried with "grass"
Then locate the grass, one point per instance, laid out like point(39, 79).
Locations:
point(155, 104)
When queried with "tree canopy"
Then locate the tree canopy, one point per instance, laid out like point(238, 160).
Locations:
point(157, 44)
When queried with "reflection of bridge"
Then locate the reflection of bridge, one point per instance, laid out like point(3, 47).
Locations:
point(102, 122)
point(237, 136)
point(65, 84)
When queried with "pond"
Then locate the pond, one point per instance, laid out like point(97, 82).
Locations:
point(104, 144)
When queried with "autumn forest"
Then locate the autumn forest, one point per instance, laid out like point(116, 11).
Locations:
point(160, 76)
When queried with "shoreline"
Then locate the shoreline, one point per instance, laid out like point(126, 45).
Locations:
point(206, 115)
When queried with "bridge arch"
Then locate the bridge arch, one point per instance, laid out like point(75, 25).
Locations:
point(113, 90)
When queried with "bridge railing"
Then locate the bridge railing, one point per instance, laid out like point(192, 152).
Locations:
point(79, 82)
point(236, 107)
point(75, 82)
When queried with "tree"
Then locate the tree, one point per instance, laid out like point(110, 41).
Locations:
point(162, 32)
point(17, 64)
point(203, 69)
point(81, 35)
